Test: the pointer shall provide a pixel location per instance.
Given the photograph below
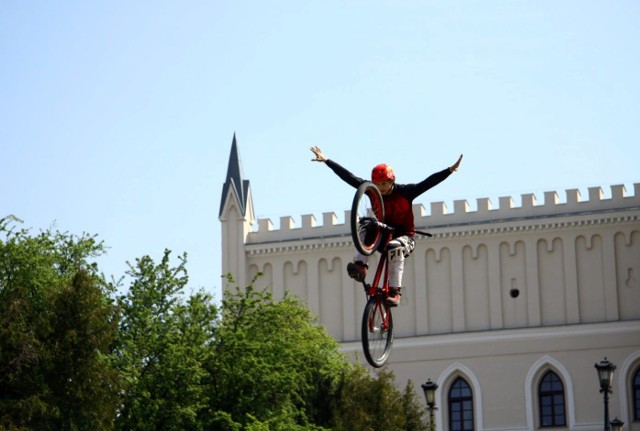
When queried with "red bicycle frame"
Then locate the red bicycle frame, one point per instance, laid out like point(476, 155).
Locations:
point(380, 291)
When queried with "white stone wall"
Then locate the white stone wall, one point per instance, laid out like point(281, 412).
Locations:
point(573, 262)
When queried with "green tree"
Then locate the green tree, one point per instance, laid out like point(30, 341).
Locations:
point(165, 339)
point(373, 403)
point(413, 409)
point(57, 327)
point(272, 363)
point(84, 328)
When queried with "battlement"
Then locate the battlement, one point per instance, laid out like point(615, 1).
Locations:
point(439, 215)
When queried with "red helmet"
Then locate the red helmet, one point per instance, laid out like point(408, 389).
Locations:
point(382, 172)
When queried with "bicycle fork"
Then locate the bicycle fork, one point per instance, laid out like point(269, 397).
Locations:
point(381, 325)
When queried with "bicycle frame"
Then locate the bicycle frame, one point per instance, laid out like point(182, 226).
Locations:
point(375, 287)
point(378, 289)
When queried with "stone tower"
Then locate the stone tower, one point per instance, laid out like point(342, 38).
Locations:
point(236, 217)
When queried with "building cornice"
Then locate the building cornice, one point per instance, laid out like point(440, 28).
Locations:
point(540, 225)
point(519, 335)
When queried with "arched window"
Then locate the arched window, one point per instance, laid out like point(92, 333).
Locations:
point(636, 395)
point(460, 406)
point(551, 397)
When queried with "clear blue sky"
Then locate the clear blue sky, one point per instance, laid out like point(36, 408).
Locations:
point(116, 118)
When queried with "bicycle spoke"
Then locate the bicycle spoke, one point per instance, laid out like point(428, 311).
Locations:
point(377, 332)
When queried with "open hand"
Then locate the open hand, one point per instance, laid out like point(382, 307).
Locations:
point(454, 167)
point(319, 156)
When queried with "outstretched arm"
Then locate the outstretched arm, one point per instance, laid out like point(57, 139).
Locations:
point(344, 174)
point(433, 180)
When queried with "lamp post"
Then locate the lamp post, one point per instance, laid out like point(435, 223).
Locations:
point(605, 374)
point(616, 425)
point(429, 389)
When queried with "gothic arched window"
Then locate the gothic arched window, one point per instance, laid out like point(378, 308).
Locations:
point(636, 395)
point(460, 406)
point(551, 397)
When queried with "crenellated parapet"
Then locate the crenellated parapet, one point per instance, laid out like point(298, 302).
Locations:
point(461, 214)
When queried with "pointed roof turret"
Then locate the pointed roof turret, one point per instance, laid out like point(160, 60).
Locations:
point(235, 181)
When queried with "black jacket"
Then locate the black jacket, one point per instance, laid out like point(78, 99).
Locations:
point(398, 206)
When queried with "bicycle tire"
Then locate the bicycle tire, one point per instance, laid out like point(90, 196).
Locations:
point(367, 206)
point(376, 342)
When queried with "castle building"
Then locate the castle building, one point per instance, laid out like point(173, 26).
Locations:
point(500, 362)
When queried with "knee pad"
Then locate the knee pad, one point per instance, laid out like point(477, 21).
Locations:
point(401, 246)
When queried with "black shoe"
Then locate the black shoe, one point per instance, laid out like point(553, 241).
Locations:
point(393, 299)
point(357, 270)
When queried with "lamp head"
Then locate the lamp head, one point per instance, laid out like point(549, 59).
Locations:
point(605, 374)
point(429, 389)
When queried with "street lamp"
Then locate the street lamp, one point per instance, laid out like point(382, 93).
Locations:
point(605, 374)
point(429, 389)
point(616, 425)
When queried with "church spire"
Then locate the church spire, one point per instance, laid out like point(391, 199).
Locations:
point(235, 181)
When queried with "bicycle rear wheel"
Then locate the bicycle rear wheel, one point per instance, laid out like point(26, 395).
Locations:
point(377, 332)
point(366, 210)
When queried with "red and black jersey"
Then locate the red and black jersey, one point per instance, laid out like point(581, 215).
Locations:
point(398, 206)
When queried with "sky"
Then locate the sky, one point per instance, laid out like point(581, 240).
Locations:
point(116, 118)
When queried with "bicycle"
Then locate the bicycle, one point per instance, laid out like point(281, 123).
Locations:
point(371, 234)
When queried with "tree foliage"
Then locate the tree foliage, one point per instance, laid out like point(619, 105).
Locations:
point(272, 363)
point(372, 403)
point(75, 357)
point(57, 328)
point(165, 341)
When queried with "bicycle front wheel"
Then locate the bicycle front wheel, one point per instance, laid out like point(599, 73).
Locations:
point(377, 331)
point(367, 209)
